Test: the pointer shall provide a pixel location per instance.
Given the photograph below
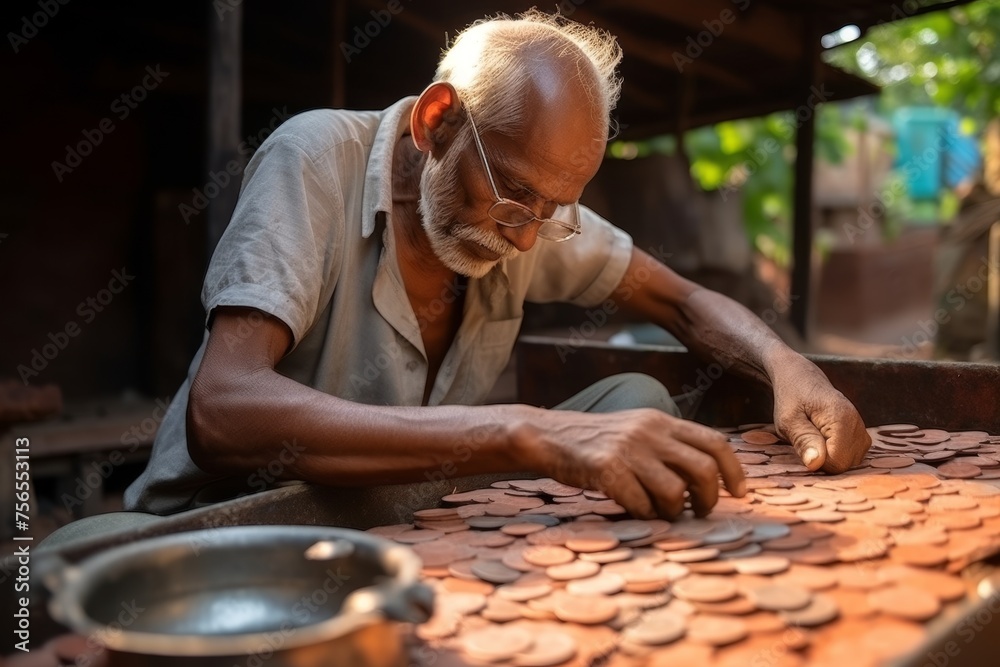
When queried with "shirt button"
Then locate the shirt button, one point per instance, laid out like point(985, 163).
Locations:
point(411, 366)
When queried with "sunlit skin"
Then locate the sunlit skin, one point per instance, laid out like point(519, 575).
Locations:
point(241, 409)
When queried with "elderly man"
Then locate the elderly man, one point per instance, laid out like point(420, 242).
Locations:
point(369, 290)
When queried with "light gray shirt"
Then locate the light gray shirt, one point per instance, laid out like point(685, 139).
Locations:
point(310, 243)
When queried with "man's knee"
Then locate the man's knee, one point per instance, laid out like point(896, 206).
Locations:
point(637, 390)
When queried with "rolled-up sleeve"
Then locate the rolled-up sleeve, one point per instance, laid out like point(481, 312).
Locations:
point(281, 250)
point(584, 270)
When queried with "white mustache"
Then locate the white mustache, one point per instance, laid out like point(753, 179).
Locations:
point(492, 242)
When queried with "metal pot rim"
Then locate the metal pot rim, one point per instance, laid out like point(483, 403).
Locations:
point(367, 604)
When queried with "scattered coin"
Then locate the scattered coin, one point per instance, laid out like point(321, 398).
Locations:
point(813, 562)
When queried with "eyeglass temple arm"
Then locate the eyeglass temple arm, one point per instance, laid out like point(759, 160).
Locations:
point(482, 154)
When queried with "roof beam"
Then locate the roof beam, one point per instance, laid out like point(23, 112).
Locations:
point(757, 25)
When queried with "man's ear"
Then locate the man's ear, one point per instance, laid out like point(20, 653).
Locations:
point(434, 116)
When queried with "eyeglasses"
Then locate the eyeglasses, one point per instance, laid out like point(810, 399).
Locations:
point(564, 225)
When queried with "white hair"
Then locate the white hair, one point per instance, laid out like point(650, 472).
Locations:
point(489, 64)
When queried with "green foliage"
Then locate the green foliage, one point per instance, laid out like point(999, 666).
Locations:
point(755, 155)
point(949, 58)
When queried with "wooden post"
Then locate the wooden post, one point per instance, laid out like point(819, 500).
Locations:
point(802, 223)
point(993, 295)
point(225, 99)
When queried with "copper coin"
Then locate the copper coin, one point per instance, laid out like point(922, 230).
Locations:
point(945, 587)
point(738, 606)
point(678, 543)
point(547, 556)
point(592, 541)
point(656, 629)
point(417, 536)
point(456, 585)
point(788, 499)
point(496, 643)
point(550, 648)
point(606, 583)
point(500, 610)
point(819, 611)
point(905, 602)
point(613, 556)
point(790, 542)
point(578, 569)
point(892, 462)
point(896, 429)
point(821, 516)
point(852, 603)
point(586, 610)
point(926, 555)
point(762, 565)
point(716, 630)
point(951, 503)
point(681, 653)
point(522, 593)
point(759, 438)
point(779, 598)
point(953, 521)
point(705, 588)
point(692, 555)
point(631, 530)
point(958, 470)
point(494, 572)
point(522, 528)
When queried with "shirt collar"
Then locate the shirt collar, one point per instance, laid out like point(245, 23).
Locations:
point(378, 175)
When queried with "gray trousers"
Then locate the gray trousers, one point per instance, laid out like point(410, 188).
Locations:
point(626, 391)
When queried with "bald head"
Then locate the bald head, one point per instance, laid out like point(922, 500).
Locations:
point(509, 70)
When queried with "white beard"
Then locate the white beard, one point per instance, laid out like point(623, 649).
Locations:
point(439, 207)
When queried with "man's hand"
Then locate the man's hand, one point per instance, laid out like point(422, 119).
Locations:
point(823, 426)
point(644, 459)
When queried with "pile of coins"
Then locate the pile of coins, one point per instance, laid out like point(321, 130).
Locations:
point(805, 569)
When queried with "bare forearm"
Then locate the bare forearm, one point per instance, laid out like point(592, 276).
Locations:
point(716, 327)
point(249, 422)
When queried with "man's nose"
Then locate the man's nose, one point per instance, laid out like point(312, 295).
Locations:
point(522, 237)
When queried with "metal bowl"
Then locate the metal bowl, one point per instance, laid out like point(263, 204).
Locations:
point(288, 595)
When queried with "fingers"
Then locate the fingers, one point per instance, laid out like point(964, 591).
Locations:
point(665, 486)
point(715, 445)
point(808, 442)
point(847, 445)
point(631, 494)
